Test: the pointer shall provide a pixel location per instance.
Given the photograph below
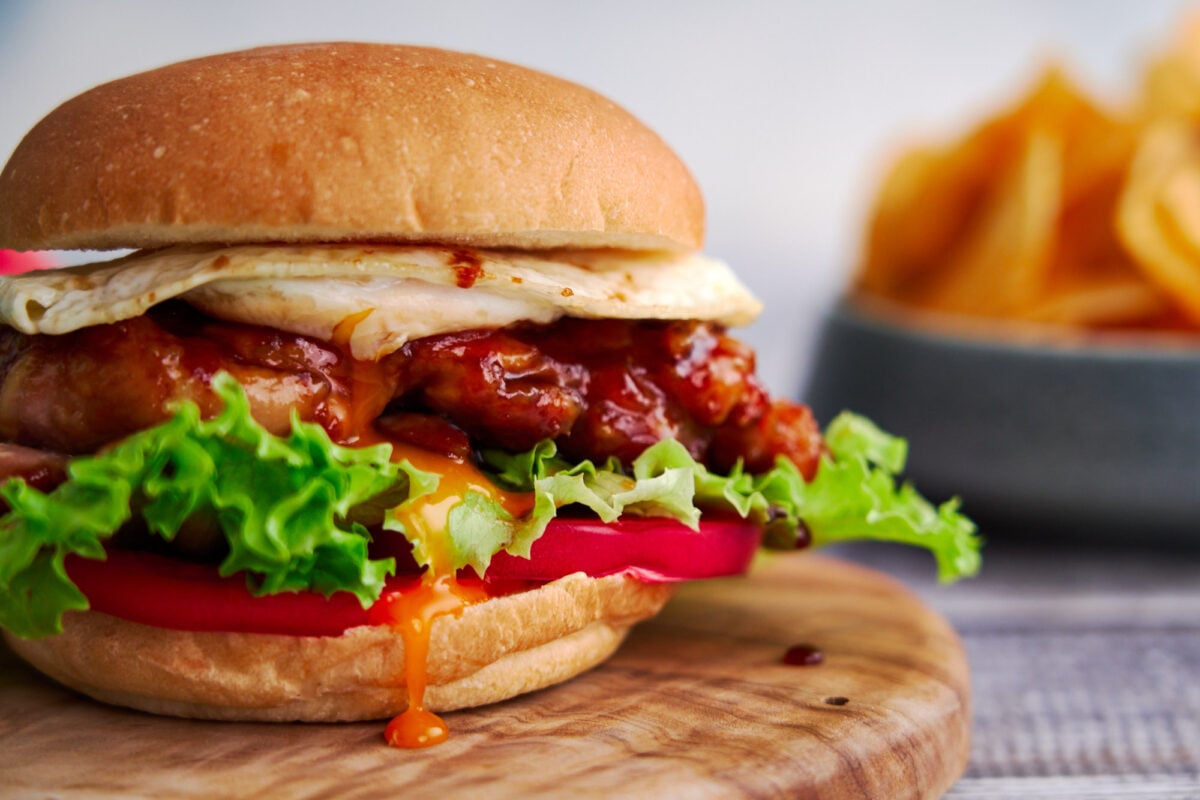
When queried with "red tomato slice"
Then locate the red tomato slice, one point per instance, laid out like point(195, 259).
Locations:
point(13, 262)
point(160, 591)
point(166, 593)
point(652, 550)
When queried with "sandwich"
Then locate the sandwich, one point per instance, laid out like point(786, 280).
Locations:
point(415, 393)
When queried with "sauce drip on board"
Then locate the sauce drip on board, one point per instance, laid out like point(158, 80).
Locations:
point(803, 655)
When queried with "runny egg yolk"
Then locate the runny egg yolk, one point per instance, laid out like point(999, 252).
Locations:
point(411, 612)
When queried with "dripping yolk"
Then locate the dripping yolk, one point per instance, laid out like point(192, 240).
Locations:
point(411, 612)
point(368, 392)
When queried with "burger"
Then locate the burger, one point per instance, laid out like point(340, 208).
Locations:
point(414, 393)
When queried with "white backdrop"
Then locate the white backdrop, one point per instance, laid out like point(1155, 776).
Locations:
point(785, 112)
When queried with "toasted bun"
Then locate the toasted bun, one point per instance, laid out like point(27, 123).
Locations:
point(494, 651)
point(346, 142)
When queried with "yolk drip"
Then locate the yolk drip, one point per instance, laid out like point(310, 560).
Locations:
point(411, 612)
point(425, 519)
point(367, 391)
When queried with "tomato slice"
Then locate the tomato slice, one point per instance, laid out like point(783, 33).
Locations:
point(13, 262)
point(166, 593)
point(652, 550)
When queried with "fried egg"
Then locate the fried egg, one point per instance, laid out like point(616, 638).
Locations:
point(398, 292)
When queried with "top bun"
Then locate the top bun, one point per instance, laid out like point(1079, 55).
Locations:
point(343, 142)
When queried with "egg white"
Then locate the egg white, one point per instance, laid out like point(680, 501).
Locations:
point(399, 292)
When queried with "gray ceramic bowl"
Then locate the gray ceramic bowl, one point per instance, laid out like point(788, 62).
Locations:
point(1098, 436)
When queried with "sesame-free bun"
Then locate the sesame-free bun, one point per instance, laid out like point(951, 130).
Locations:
point(495, 650)
point(340, 142)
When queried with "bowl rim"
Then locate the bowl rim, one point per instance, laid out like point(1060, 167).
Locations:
point(941, 329)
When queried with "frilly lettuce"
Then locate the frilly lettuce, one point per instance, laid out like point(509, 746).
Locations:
point(283, 504)
point(854, 495)
point(295, 510)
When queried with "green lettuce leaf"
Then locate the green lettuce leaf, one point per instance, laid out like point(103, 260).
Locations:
point(283, 504)
point(854, 495)
point(479, 527)
point(295, 510)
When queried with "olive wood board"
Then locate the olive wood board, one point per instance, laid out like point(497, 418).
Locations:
point(697, 703)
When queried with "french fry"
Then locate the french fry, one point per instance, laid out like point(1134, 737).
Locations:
point(903, 246)
point(1000, 266)
point(1158, 216)
point(1171, 85)
point(1019, 218)
point(1113, 302)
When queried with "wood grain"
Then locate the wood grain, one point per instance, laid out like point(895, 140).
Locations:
point(697, 704)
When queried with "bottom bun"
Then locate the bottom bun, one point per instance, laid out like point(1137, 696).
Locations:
point(493, 651)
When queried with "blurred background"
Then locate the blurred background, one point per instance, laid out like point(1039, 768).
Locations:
point(1084, 659)
point(786, 112)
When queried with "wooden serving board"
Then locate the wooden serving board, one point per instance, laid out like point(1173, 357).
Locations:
point(697, 704)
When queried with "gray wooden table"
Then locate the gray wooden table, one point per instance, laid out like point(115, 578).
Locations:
point(1085, 668)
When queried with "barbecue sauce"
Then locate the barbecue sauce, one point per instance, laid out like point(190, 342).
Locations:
point(803, 655)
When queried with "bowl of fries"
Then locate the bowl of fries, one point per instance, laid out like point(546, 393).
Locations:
point(1027, 310)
